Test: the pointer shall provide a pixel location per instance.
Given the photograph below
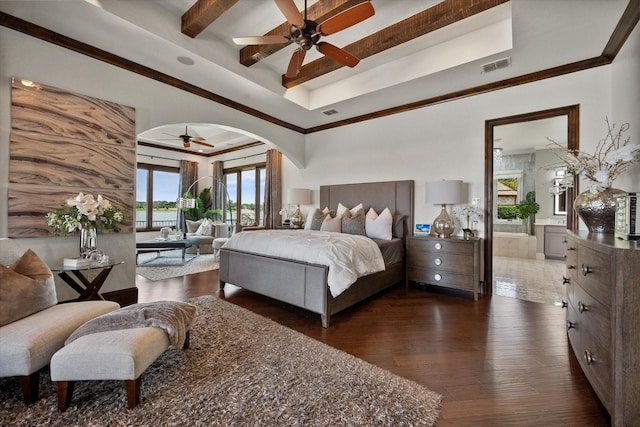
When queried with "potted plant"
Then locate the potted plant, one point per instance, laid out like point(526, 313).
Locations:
point(527, 208)
point(202, 208)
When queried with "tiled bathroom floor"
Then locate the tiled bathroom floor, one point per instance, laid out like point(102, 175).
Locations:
point(529, 279)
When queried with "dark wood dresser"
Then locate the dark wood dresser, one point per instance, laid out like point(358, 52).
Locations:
point(453, 263)
point(603, 319)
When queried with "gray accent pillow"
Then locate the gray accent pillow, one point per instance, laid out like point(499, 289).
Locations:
point(354, 223)
point(397, 227)
point(317, 218)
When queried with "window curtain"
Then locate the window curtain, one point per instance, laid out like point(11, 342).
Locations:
point(188, 175)
point(218, 190)
point(273, 189)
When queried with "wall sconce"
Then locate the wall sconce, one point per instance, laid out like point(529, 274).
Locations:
point(444, 193)
point(497, 154)
point(298, 196)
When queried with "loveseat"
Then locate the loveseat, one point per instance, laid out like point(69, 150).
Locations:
point(206, 231)
point(33, 326)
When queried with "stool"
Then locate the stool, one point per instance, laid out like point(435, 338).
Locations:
point(217, 244)
point(122, 354)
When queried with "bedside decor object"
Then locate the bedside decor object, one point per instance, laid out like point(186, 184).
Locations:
point(444, 193)
point(613, 155)
point(86, 214)
point(298, 196)
point(472, 215)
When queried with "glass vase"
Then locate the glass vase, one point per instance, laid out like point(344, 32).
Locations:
point(88, 237)
point(597, 210)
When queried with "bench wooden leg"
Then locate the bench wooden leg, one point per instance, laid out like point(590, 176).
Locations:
point(65, 393)
point(133, 392)
point(30, 385)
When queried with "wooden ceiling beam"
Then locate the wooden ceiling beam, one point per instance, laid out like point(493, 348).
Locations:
point(319, 12)
point(202, 14)
point(429, 20)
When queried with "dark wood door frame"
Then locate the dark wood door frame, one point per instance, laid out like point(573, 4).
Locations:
point(573, 137)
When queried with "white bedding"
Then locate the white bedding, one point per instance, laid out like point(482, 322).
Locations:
point(348, 256)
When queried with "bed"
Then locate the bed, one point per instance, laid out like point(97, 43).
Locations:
point(305, 284)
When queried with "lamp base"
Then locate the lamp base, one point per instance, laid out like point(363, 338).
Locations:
point(297, 219)
point(443, 225)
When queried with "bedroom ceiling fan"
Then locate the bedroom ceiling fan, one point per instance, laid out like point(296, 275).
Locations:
point(306, 33)
point(188, 139)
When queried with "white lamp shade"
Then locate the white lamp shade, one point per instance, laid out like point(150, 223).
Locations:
point(299, 196)
point(445, 192)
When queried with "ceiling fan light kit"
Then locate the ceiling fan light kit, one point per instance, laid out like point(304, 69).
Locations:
point(307, 33)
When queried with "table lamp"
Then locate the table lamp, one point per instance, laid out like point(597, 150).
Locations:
point(444, 193)
point(298, 196)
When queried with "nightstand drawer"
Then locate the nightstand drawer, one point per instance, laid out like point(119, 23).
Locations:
point(459, 247)
point(461, 264)
point(594, 274)
point(433, 276)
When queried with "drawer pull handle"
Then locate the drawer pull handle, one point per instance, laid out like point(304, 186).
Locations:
point(565, 280)
point(437, 277)
point(570, 248)
point(438, 246)
point(582, 308)
point(586, 270)
point(588, 357)
point(570, 325)
point(437, 261)
point(564, 304)
point(571, 267)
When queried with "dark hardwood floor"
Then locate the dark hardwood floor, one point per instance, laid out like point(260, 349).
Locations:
point(498, 361)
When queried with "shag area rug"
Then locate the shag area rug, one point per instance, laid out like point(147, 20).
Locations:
point(241, 370)
point(164, 267)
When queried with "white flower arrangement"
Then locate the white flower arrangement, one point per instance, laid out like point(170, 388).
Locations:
point(471, 214)
point(84, 211)
point(613, 156)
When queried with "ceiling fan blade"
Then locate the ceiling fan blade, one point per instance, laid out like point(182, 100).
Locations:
point(295, 63)
point(337, 54)
point(202, 143)
point(197, 139)
point(259, 40)
point(291, 12)
point(347, 18)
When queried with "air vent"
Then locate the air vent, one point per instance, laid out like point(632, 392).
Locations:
point(330, 112)
point(496, 65)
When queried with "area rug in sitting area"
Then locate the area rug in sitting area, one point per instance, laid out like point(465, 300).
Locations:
point(241, 370)
point(155, 267)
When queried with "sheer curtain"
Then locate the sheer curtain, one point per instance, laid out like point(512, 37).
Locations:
point(273, 189)
point(188, 175)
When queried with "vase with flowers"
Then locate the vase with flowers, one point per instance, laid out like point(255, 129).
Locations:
point(85, 214)
point(614, 154)
point(470, 214)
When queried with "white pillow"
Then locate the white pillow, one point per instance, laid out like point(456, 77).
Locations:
point(205, 228)
point(307, 224)
point(342, 209)
point(331, 224)
point(379, 226)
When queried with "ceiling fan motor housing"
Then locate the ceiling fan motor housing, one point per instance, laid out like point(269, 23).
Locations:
point(306, 36)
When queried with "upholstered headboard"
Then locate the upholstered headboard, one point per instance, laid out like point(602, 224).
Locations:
point(396, 195)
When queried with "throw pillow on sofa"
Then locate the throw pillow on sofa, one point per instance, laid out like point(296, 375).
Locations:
point(192, 226)
point(26, 287)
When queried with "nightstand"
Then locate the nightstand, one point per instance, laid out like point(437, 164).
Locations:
point(452, 263)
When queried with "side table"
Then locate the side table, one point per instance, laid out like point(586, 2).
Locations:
point(87, 289)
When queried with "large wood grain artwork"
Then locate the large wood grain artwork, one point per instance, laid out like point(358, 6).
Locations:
point(63, 143)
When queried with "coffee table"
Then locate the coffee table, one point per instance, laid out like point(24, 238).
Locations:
point(160, 245)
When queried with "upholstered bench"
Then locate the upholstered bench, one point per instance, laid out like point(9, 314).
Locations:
point(139, 335)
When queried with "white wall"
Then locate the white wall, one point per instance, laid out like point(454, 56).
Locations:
point(444, 141)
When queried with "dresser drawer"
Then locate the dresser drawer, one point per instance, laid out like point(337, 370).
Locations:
point(596, 363)
point(592, 316)
point(594, 274)
point(462, 264)
point(433, 276)
point(441, 246)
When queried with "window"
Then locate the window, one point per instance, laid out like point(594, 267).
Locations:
point(247, 185)
point(508, 188)
point(158, 187)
